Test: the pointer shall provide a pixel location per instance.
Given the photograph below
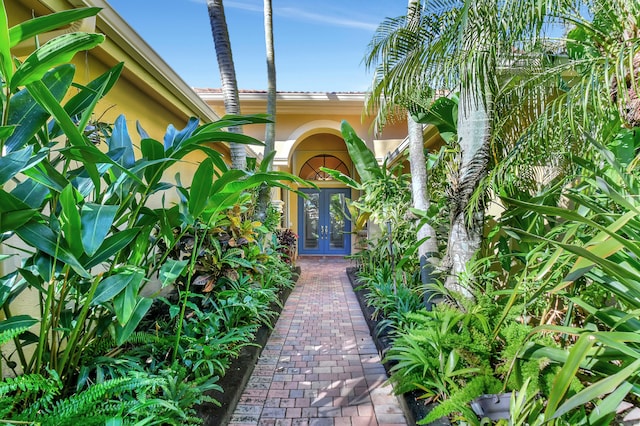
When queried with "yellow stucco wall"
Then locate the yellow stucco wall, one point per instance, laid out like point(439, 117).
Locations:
point(308, 124)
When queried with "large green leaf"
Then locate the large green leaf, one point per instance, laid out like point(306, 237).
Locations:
point(173, 137)
point(42, 24)
point(125, 302)
point(70, 220)
point(231, 120)
point(443, 114)
point(568, 371)
point(604, 386)
point(219, 136)
point(171, 270)
point(17, 322)
point(11, 220)
point(120, 140)
point(11, 164)
point(6, 131)
point(43, 238)
point(97, 220)
point(341, 177)
point(57, 51)
point(201, 188)
point(10, 286)
point(152, 151)
point(85, 100)
point(363, 158)
point(141, 309)
point(226, 178)
point(6, 59)
point(9, 202)
point(112, 285)
point(27, 114)
point(110, 247)
point(47, 175)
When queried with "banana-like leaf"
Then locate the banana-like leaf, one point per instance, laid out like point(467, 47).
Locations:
point(341, 177)
point(219, 136)
point(226, 178)
point(6, 59)
point(11, 220)
point(9, 202)
point(124, 332)
point(171, 270)
point(363, 159)
point(112, 285)
point(110, 247)
point(42, 238)
point(42, 24)
point(11, 164)
point(57, 51)
point(152, 151)
point(70, 221)
point(125, 302)
point(97, 220)
point(201, 188)
point(233, 121)
point(120, 140)
point(47, 175)
point(265, 165)
point(85, 100)
point(173, 138)
point(443, 114)
point(27, 114)
point(6, 131)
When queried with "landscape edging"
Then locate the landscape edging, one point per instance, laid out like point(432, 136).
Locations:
point(239, 372)
point(413, 407)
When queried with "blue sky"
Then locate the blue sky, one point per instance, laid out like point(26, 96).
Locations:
point(319, 44)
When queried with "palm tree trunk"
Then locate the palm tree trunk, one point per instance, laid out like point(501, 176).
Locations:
point(428, 250)
point(474, 131)
point(270, 128)
point(227, 75)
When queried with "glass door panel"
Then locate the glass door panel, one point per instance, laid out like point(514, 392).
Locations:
point(337, 221)
point(310, 240)
point(322, 226)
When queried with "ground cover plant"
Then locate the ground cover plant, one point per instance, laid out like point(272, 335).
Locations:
point(141, 303)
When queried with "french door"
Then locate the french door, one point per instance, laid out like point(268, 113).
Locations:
point(323, 228)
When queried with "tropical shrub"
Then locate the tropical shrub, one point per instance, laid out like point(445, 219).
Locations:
point(98, 243)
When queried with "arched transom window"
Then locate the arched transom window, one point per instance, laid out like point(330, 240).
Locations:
point(311, 169)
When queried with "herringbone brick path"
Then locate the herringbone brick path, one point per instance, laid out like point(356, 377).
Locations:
point(320, 366)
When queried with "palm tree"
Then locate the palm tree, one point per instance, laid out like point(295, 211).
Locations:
point(414, 60)
point(465, 46)
point(270, 128)
point(386, 106)
point(227, 75)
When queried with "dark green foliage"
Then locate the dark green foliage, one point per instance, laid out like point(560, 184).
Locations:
point(96, 237)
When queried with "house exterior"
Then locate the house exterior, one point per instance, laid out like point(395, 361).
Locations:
point(308, 137)
point(307, 124)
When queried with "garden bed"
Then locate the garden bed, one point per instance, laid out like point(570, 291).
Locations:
point(413, 407)
point(239, 372)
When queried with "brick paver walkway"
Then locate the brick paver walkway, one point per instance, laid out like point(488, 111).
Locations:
point(320, 366)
